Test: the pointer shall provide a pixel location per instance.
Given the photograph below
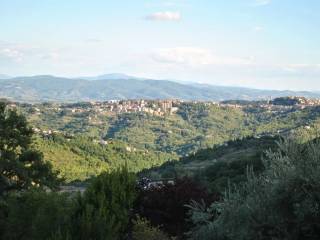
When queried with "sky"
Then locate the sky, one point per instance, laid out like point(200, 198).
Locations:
point(269, 44)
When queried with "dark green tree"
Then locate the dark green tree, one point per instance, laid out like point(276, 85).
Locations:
point(103, 212)
point(165, 206)
point(21, 167)
point(36, 215)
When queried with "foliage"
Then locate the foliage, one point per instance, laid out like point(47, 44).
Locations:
point(223, 174)
point(81, 157)
point(288, 101)
point(103, 212)
point(21, 167)
point(282, 203)
point(165, 206)
point(142, 229)
point(157, 139)
point(219, 166)
point(274, 198)
point(34, 215)
point(71, 164)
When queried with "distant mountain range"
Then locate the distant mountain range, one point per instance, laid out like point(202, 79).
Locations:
point(120, 86)
point(3, 76)
point(111, 76)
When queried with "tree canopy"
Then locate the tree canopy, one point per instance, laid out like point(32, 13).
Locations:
point(20, 166)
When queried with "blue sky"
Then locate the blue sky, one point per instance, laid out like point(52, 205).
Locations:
point(270, 44)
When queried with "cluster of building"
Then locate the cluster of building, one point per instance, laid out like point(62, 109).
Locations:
point(154, 107)
point(163, 107)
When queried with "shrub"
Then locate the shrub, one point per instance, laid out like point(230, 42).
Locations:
point(34, 215)
point(165, 206)
point(142, 229)
point(103, 212)
point(282, 203)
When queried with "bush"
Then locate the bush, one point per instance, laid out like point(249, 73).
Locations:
point(224, 173)
point(166, 206)
point(34, 215)
point(142, 229)
point(282, 203)
point(103, 212)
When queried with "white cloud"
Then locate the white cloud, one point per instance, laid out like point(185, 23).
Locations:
point(258, 28)
point(14, 54)
point(164, 16)
point(192, 56)
point(262, 2)
point(25, 53)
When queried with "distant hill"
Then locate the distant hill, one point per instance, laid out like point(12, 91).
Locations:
point(218, 167)
point(119, 86)
point(111, 76)
point(245, 149)
point(4, 76)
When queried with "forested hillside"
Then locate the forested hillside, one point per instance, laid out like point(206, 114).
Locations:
point(232, 155)
point(81, 141)
point(81, 158)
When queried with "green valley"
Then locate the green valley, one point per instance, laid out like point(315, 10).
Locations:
point(84, 139)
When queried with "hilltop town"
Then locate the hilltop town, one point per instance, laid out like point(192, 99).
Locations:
point(161, 107)
point(95, 113)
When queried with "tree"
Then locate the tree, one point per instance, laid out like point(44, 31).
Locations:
point(282, 203)
point(165, 206)
point(142, 229)
point(21, 167)
point(35, 214)
point(103, 212)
